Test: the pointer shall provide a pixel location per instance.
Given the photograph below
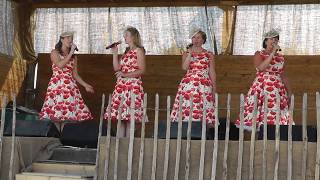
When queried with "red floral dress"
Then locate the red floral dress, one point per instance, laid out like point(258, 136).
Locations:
point(267, 84)
point(63, 101)
point(196, 83)
point(125, 88)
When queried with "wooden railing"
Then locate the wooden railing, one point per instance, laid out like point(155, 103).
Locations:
point(112, 167)
point(110, 163)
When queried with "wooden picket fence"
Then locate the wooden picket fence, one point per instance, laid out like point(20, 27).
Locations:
point(214, 165)
point(107, 149)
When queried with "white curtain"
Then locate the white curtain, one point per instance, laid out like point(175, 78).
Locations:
point(299, 24)
point(164, 30)
point(6, 28)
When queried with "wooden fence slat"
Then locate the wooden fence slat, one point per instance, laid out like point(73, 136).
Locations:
point(143, 127)
point(13, 140)
point(240, 150)
point(265, 133)
point(155, 140)
point(203, 143)
point(226, 142)
point(253, 137)
point(116, 151)
point(187, 167)
point(215, 148)
point(167, 148)
point(3, 118)
point(106, 162)
point(277, 135)
point(178, 150)
point(289, 173)
point(317, 169)
point(131, 138)
point(99, 138)
point(305, 136)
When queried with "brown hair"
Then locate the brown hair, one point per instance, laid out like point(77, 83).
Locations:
point(264, 45)
point(58, 47)
point(203, 36)
point(136, 38)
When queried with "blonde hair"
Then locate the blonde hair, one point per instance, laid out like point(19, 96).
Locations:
point(136, 38)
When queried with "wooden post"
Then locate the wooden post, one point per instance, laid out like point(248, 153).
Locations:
point(99, 138)
point(215, 148)
point(106, 162)
point(131, 138)
point(116, 151)
point(203, 143)
point(317, 169)
point(155, 140)
point(187, 168)
point(277, 135)
point(289, 174)
point(253, 137)
point(166, 152)
point(13, 140)
point(143, 126)
point(178, 150)
point(226, 142)
point(305, 136)
point(240, 151)
point(3, 119)
point(265, 136)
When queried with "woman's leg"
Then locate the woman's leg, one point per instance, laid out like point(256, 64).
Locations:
point(60, 126)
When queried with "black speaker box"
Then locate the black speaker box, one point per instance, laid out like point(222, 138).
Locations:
point(29, 128)
point(28, 124)
point(82, 134)
point(296, 133)
point(233, 132)
point(196, 130)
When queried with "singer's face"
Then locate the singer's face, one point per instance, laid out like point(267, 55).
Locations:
point(67, 41)
point(197, 40)
point(271, 42)
point(127, 37)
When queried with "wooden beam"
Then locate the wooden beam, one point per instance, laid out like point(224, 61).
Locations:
point(158, 3)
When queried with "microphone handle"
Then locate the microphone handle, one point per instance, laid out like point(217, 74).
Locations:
point(113, 45)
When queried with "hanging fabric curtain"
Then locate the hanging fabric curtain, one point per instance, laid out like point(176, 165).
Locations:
point(164, 30)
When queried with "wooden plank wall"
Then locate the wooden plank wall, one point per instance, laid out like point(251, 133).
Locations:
point(234, 75)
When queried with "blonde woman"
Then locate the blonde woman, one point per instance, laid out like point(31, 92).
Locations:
point(129, 69)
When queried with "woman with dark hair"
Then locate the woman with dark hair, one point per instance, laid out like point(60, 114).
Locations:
point(129, 70)
point(270, 81)
point(199, 82)
point(63, 101)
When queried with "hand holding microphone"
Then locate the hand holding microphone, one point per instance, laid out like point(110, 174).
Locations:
point(276, 48)
point(74, 48)
point(114, 46)
point(189, 46)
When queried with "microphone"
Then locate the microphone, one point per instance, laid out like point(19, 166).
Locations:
point(75, 49)
point(113, 44)
point(189, 45)
point(277, 49)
